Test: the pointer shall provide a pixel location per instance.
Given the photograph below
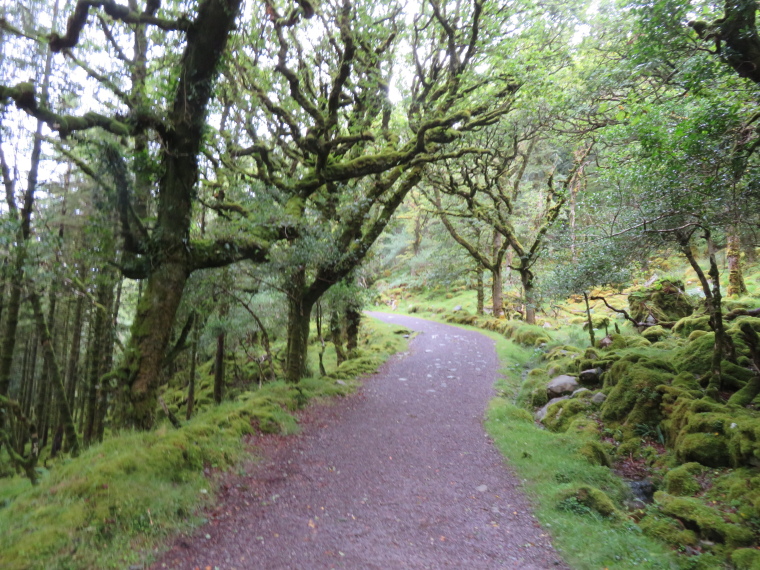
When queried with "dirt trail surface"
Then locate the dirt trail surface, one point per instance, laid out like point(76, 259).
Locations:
point(399, 475)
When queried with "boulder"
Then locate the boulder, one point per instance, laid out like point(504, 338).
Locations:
point(599, 398)
point(591, 376)
point(560, 385)
point(581, 393)
point(541, 414)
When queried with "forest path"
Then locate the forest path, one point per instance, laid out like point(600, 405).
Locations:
point(399, 475)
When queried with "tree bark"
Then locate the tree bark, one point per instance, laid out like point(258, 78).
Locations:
point(589, 321)
point(480, 289)
point(219, 369)
point(55, 373)
point(353, 322)
point(736, 285)
point(149, 339)
point(336, 336)
point(526, 278)
point(100, 345)
point(299, 316)
point(191, 382)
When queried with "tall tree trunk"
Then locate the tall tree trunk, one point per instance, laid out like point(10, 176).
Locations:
point(336, 336)
point(736, 284)
point(299, 316)
point(107, 364)
point(55, 373)
point(322, 371)
point(191, 382)
point(171, 262)
point(149, 340)
point(497, 285)
point(480, 289)
point(219, 364)
point(353, 322)
point(589, 321)
point(496, 293)
point(104, 296)
point(526, 278)
point(219, 369)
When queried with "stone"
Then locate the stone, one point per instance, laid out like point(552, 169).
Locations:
point(560, 385)
point(599, 398)
point(591, 376)
point(580, 393)
point(457, 309)
point(541, 414)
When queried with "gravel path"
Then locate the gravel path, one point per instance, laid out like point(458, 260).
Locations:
point(399, 475)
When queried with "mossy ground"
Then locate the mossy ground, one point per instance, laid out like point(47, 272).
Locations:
point(111, 505)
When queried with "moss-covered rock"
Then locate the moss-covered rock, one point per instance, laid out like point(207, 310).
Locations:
point(668, 530)
point(663, 301)
point(687, 381)
point(710, 449)
point(634, 341)
point(687, 325)
point(593, 499)
point(655, 333)
point(595, 453)
point(696, 357)
point(746, 559)
point(584, 428)
point(634, 398)
point(709, 523)
point(682, 480)
point(564, 351)
point(561, 414)
point(531, 335)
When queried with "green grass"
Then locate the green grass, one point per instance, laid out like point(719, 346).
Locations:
point(558, 467)
point(110, 507)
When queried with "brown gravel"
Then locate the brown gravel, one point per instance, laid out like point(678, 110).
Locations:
point(399, 475)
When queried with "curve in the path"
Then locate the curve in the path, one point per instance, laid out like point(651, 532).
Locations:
point(401, 475)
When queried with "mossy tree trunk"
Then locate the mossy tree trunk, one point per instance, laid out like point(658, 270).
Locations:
point(480, 289)
point(299, 317)
point(736, 285)
point(149, 340)
point(723, 346)
point(526, 278)
point(353, 322)
point(336, 336)
point(589, 321)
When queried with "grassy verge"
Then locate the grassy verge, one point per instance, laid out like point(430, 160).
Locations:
point(550, 473)
point(112, 505)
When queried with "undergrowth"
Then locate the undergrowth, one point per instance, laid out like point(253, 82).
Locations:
point(112, 505)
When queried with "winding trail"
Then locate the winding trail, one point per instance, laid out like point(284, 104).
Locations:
point(399, 475)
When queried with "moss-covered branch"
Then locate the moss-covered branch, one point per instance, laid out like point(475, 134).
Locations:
point(78, 20)
point(207, 254)
point(25, 97)
point(735, 37)
point(11, 408)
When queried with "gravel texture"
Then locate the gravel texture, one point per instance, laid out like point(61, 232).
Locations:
point(399, 475)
